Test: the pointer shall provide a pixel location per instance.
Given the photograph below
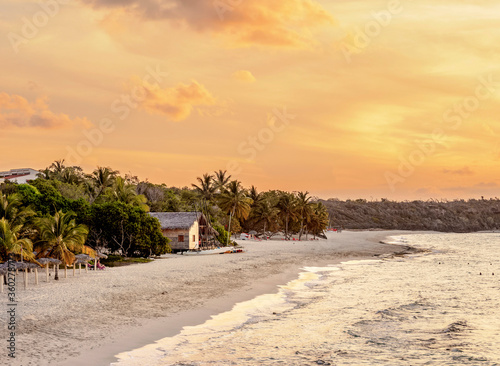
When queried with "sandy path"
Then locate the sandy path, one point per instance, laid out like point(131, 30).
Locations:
point(89, 318)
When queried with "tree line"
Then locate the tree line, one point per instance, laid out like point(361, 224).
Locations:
point(66, 211)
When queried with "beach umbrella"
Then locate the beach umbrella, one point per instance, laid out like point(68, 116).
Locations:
point(82, 259)
point(3, 272)
point(47, 262)
point(35, 267)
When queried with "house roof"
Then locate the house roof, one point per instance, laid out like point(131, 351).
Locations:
point(176, 220)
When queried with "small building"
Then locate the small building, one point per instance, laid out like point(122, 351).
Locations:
point(20, 176)
point(186, 230)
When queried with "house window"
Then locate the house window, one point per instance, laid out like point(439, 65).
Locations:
point(194, 238)
point(180, 239)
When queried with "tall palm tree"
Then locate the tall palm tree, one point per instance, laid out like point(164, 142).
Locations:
point(206, 188)
point(266, 212)
point(304, 209)
point(287, 206)
point(61, 236)
point(57, 167)
point(10, 243)
point(221, 179)
point(254, 194)
point(102, 178)
point(319, 219)
point(235, 202)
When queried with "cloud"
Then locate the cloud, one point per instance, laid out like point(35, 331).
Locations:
point(288, 23)
point(16, 111)
point(176, 103)
point(243, 76)
point(463, 171)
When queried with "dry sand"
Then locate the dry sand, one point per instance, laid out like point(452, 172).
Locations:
point(87, 319)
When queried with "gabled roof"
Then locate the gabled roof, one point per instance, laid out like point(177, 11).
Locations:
point(176, 220)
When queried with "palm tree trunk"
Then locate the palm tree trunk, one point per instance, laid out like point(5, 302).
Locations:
point(229, 228)
point(56, 277)
point(265, 235)
point(301, 228)
point(286, 227)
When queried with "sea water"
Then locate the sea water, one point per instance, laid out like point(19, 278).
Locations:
point(440, 307)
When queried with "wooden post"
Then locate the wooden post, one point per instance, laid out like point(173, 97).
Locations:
point(36, 276)
point(79, 268)
point(95, 264)
point(54, 270)
point(65, 271)
point(1, 284)
point(74, 269)
point(26, 278)
point(47, 271)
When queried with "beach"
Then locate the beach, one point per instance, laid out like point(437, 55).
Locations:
point(89, 318)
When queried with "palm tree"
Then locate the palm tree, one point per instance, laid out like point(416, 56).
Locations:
point(266, 212)
point(319, 219)
point(61, 236)
point(102, 178)
point(304, 209)
point(287, 207)
point(10, 243)
point(221, 179)
point(206, 188)
point(235, 202)
point(57, 167)
point(11, 209)
point(254, 194)
point(126, 193)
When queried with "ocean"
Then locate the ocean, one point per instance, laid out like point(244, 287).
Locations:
point(440, 307)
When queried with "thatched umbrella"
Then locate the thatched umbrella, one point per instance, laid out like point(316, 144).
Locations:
point(3, 272)
point(48, 261)
point(35, 267)
point(82, 258)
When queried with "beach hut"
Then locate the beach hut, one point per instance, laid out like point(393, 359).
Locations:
point(186, 230)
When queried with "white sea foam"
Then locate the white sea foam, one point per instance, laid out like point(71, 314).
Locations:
point(436, 309)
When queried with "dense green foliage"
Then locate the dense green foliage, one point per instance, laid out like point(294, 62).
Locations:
point(109, 212)
point(446, 216)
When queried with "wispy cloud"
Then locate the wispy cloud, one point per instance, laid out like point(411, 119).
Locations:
point(177, 103)
point(463, 171)
point(243, 76)
point(17, 112)
point(287, 23)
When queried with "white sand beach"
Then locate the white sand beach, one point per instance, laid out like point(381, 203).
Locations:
point(89, 318)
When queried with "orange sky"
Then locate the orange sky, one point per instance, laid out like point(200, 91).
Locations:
point(347, 99)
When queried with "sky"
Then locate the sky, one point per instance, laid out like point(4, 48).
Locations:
point(348, 99)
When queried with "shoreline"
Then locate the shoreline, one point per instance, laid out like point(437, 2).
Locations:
point(130, 304)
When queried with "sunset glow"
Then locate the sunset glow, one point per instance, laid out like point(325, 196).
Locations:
point(348, 99)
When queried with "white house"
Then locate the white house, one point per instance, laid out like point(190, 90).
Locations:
point(20, 176)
